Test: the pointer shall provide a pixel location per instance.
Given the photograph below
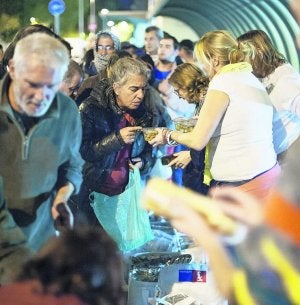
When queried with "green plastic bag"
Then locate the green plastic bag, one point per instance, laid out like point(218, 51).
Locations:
point(122, 216)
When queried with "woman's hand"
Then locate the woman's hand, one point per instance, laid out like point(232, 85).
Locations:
point(128, 133)
point(160, 138)
point(183, 158)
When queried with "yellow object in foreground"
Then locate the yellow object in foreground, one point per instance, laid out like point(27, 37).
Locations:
point(161, 195)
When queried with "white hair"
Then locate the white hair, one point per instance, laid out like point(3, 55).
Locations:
point(48, 50)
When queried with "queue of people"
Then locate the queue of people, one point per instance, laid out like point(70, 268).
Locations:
point(56, 155)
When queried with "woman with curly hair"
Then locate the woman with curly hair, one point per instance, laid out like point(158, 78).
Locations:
point(190, 83)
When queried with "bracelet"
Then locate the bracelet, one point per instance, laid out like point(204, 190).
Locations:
point(169, 140)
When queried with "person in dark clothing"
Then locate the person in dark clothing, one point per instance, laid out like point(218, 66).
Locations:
point(106, 44)
point(89, 83)
point(87, 66)
point(112, 118)
point(2, 67)
point(80, 267)
point(72, 80)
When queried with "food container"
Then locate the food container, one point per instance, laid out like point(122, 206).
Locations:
point(149, 133)
point(184, 124)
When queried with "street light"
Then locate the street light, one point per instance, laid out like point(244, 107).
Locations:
point(104, 12)
point(110, 23)
point(80, 18)
point(93, 22)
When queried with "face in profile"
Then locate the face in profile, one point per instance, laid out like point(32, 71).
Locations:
point(34, 86)
point(181, 93)
point(131, 94)
point(70, 87)
point(151, 43)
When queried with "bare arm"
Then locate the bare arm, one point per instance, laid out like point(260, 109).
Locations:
point(214, 107)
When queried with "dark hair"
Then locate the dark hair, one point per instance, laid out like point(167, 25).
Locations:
point(186, 44)
point(87, 62)
point(125, 45)
point(81, 262)
point(159, 33)
point(9, 52)
point(175, 41)
point(147, 59)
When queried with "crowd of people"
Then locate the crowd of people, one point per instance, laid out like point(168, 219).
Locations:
point(71, 133)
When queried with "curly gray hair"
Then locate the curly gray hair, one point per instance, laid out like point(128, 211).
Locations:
point(107, 33)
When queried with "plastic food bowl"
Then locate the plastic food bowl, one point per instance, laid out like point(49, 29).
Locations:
point(184, 124)
point(149, 133)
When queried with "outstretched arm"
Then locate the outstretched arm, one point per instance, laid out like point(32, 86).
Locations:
point(213, 109)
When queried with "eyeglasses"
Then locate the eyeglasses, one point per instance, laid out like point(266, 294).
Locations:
point(73, 90)
point(106, 48)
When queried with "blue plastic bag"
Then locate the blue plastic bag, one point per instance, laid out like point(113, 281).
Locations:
point(122, 216)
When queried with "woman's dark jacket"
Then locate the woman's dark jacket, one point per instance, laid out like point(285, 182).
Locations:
point(101, 139)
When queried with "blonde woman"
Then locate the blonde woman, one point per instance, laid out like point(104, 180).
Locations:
point(236, 118)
